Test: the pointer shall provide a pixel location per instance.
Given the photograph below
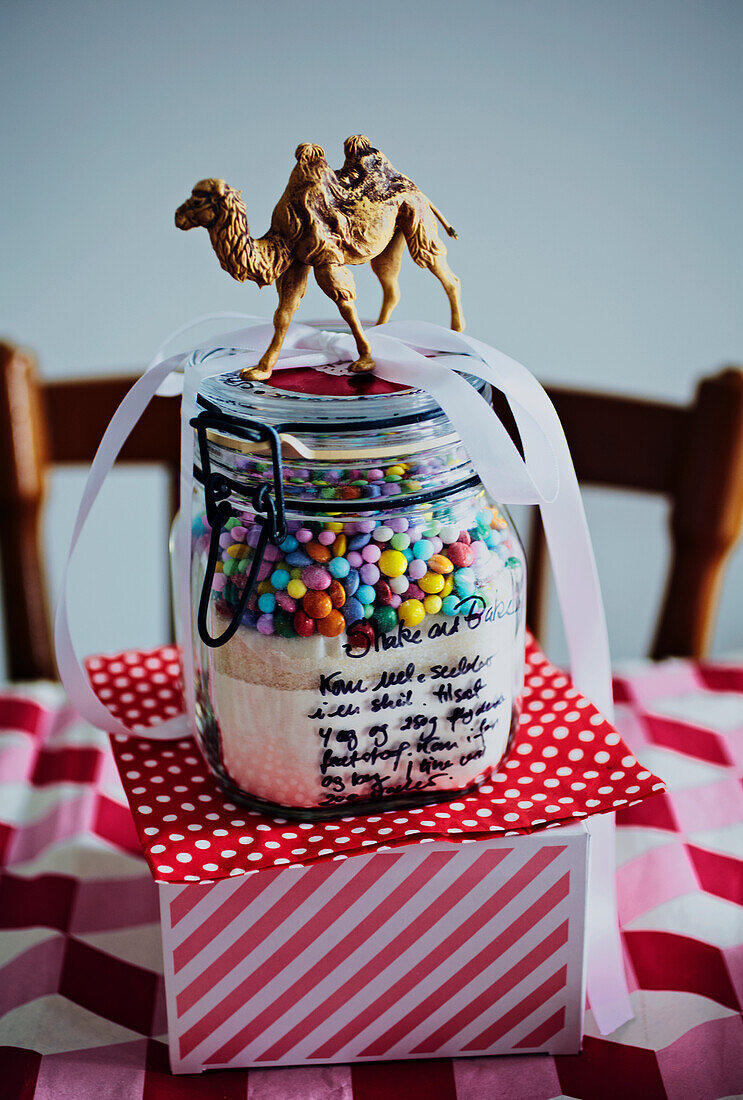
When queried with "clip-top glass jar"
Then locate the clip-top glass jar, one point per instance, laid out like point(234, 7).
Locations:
point(359, 638)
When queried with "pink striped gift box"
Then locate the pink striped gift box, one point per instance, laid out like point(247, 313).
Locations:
point(426, 950)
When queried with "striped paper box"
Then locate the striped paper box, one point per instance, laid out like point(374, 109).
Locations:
point(429, 949)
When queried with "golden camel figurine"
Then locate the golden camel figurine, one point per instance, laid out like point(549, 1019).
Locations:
point(325, 220)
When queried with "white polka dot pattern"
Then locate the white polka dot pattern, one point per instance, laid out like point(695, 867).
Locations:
point(566, 763)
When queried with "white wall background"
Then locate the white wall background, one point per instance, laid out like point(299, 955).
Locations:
point(589, 152)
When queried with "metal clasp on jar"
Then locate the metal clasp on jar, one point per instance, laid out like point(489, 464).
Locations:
point(218, 487)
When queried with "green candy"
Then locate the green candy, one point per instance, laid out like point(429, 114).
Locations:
point(283, 625)
point(386, 619)
point(233, 522)
point(230, 566)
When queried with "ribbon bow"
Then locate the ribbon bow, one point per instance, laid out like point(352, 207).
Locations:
point(431, 358)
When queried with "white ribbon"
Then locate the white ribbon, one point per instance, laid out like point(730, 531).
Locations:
point(427, 357)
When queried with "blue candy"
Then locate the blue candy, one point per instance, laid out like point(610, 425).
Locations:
point(267, 603)
point(352, 610)
point(366, 594)
point(358, 542)
point(289, 544)
point(351, 582)
point(298, 557)
point(339, 568)
point(423, 549)
point(464, 579)
point(450, 605)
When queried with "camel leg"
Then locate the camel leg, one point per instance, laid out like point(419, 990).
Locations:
point(337, 282)
point(440, 268)
point(386, 267)
point(291, 287)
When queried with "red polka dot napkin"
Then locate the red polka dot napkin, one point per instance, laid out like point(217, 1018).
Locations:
point(566, 763)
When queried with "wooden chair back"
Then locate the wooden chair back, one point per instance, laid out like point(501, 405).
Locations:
point(692, 455)
point(42, 424)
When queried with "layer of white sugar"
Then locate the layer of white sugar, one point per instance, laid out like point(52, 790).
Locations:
point(314, 723)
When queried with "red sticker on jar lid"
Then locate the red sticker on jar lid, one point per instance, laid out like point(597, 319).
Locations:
point(331, 382)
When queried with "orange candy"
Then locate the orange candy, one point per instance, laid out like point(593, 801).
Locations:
point(318, 552)
point(337, 593)
point(439, 564)
point(317, 605)
point(331, 625)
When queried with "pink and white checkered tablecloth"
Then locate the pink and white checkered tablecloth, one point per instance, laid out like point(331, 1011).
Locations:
point(81, 995)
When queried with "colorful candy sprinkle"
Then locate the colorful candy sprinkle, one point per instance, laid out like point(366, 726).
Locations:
point(364, 575)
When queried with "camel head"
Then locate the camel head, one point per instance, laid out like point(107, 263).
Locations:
point(207, 200)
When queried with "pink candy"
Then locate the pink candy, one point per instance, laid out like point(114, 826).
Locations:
point(371, 553)
point(265, 624)
point(460, 555)
point(415, 593)
point(417, 569)
point(354, 559)
point(303, 535)
point(314, 576)
point(369, 573)
point(327, 538)
point(283, 599)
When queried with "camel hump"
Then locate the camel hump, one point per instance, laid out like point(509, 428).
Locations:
point(356, 145)
point(308, 153)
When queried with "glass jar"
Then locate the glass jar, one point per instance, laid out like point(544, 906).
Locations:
point(358, 601)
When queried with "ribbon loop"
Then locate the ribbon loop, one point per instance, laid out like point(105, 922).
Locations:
point(339, 347)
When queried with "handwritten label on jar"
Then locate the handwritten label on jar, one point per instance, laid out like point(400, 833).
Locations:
point(419, 724)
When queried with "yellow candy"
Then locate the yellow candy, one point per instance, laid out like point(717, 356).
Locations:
point(448, 586)
point(336, 528)
point(396, 470)
point(219, 568)
point(393, 563)
point(296, 589)
point(411, 612)
point(239, 550)
point(431, 582)
point(265, 586)
point(432, 605)
point(339, 546)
